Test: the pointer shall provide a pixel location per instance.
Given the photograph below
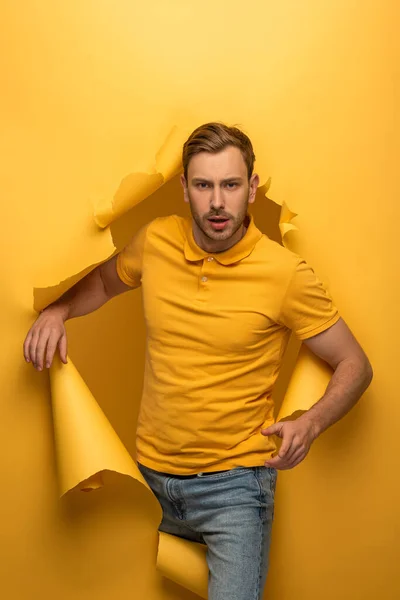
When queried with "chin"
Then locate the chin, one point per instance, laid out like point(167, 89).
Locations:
point(216, 238)
point(218, 235)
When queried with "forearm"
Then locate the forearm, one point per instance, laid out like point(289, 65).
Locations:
point(349, 381)
point(84, 297)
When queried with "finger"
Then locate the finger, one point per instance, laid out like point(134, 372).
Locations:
point(41, 349)
point(285, 454)
point(26, 346)
point(295, 446)
point(51, 348)
point(32, 346)
point(286, 446)
point(296, 459)
point(276, 462)
point(63, 347)
point(274, 429)
point(280, 460)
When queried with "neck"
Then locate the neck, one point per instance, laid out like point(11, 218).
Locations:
point(215, 246)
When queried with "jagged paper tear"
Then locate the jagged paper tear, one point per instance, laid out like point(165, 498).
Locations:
point(137, 186)
point(286, 215)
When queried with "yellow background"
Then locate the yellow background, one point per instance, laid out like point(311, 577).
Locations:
point(89, 92)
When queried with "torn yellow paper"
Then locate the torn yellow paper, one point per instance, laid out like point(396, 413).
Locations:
point(95, 246)
point(286, 215)
point(95, 482)
point(87, 447)
point(137, 186)
point(285, 224)
point(307, 383)
point(169, 156)
point(85, 442)
point(265, 187)
point(183, 562)
point(87, 247)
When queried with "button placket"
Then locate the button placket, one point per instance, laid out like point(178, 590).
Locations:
point(204, 278)
point(205, 272)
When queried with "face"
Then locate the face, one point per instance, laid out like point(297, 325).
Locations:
point(218, 191)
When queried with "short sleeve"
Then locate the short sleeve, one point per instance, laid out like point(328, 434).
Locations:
point(130, 260)
point(307, 308)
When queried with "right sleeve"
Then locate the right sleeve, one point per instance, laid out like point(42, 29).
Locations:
point(130, 260)
point(307, 308)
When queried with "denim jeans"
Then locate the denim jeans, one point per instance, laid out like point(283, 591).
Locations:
point(229, 511)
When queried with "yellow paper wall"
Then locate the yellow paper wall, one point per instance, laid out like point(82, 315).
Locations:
point(90, 89)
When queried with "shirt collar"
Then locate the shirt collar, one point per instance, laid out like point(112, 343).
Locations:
point(239, 251)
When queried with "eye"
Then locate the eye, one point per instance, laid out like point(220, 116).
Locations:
point(202, 185)
point(231, 185)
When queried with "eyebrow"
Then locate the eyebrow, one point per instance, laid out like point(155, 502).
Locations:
point(227, 180)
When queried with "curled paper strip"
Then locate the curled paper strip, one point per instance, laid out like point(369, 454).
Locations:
point(307, 384)
point(184, 563)
point(86, 444)
point(87, 448)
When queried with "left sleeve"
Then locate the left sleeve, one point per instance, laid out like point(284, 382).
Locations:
point(307, 308)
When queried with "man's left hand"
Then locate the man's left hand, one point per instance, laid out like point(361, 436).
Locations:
point(297, 437)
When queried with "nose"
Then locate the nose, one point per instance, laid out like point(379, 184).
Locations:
point(217, 199)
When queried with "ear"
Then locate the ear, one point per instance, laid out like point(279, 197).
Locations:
point(253, 185)
point(185, 190)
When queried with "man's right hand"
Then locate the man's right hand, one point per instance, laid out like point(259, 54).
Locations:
point(46, 334)
point(48, 331)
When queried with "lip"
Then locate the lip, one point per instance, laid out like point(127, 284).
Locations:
point(219, 224)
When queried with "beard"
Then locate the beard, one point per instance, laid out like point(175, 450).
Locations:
point(234, 223)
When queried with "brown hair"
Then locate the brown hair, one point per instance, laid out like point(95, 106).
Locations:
point(214, 137)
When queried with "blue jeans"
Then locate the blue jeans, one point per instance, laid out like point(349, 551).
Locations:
point(229, 511)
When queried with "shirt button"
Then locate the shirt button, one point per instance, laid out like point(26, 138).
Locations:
point(210, 258)
point(204, 279)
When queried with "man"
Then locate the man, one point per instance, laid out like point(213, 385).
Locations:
point(220, 300)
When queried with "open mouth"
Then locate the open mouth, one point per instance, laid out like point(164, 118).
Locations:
point(218, 223)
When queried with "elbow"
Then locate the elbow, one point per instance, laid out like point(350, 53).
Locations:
point(362, 371)
point(367, 372)
point(105, 292)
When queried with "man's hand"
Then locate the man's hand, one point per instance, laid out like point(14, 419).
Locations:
point(297, 437)
point(48, 331)
point(46, 334)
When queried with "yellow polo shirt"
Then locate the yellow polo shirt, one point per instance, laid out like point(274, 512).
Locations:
point(217, 327)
